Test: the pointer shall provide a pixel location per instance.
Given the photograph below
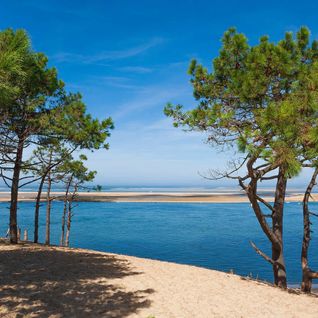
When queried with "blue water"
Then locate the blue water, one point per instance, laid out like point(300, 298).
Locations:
point(210, 235)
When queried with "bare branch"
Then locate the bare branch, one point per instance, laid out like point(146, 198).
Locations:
point(218, 175)
point(269, 178)
point(262, 166)
point(313, 274)
point(259, 252)
point(31, 181)
point(308, 165)
point(264, 202)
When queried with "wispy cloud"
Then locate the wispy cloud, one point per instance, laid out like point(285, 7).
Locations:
point(114, 81)
point(154, 68)
point(135, 69)
point(107, 55)
point(150, 97)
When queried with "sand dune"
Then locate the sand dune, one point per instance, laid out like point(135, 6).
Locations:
point(38, 281)
point(204, 197)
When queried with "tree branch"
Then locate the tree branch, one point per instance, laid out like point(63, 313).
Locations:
point(259, 252)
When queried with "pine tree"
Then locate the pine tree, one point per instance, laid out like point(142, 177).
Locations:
point(36, 109)
point(248, 101)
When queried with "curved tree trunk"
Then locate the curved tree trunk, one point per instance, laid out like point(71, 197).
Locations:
point(48, 211)
point(274, 233)
point(14, 192)
point(37, 210)
point(307, 273)
point(279, 269)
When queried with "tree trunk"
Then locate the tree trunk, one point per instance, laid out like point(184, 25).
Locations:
point(48, 211)
point(68, 224)
point(275, 232)
point(62, 243)
point(37, 210)
point(14, 192)
point(69, 217)
point(279, 269)
point(307, 273)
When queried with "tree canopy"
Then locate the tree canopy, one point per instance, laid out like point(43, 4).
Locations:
point(261, 99)
point(35, 108)
point(251, 96)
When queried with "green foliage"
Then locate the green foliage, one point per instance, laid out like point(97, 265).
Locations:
point(97, 188)
point(36, 109)
point(263, 98)
point(34, 101)
point(13, 47)
point(76, 170)
point(47, 158)
point(72, 123)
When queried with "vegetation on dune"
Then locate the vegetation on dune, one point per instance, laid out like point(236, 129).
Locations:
point(37, 111)
point(74, 175)
point(46, 160)
point(263, 100)
point(260, 100)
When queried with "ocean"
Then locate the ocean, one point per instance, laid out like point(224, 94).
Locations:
point(211, 235)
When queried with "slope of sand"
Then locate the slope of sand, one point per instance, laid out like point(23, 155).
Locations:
point(38, 281)
point(204, 197)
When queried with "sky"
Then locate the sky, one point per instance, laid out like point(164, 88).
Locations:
point(129, 58)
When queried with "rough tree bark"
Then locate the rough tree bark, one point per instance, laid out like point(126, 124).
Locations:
point(62, 242)
point(48, 210)
point(69, 217)
point(68, 224)
point(37, 210)
point(274, 233)
point(279, 268)
point(38, 197)
point(307, 274)
point(14, 192)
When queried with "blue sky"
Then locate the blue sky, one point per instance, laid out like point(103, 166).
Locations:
point(129, 58)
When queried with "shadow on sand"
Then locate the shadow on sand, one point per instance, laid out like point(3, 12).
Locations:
point(44, 282)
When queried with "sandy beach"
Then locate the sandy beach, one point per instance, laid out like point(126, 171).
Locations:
point(178, 197)
point(38, 281)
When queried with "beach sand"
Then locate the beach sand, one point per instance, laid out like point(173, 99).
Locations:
point(38, 281)
point(181, 197)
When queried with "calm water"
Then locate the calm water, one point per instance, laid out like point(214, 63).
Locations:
point(209, 235)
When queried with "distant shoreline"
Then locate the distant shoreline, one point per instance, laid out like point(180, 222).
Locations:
point(156, 197)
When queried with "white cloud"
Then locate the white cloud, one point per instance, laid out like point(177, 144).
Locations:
point(135, 69)
point(149, 97)
point(113, 81)
point(107, 55)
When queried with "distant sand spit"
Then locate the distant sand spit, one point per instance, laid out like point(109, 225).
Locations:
point(180, 197)
point(38, 281)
